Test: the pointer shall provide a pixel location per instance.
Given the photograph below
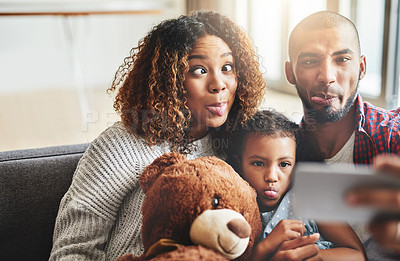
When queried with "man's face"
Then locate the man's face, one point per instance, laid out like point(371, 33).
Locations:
point(326, 67)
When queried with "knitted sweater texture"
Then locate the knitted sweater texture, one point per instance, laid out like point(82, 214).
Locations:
point(100, 215)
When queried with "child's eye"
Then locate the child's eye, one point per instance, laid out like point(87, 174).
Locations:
point(198, 70)
point(284, 164)
point(258, 163)
point(227, 68)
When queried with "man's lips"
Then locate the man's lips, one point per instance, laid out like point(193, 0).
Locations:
point(217, 108)
point(323, 100)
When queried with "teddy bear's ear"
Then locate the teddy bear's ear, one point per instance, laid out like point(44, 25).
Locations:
point(151, 173)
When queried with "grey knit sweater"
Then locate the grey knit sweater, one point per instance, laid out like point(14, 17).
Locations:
point(100, 215)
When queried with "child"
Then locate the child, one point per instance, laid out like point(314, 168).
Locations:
point(263, 151)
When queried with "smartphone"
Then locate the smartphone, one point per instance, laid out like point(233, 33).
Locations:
point(319, 191)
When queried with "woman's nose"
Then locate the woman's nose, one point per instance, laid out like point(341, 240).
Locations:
point(217, 83)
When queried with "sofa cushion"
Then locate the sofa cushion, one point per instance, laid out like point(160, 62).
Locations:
point(32, 183)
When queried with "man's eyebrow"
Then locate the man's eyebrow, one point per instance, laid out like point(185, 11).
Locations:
point(203, 57)
point(307, 54)
point(345, 51)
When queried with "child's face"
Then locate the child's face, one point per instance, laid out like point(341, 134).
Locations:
point(267, 164)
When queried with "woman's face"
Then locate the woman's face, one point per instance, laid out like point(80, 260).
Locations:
point(210, 83)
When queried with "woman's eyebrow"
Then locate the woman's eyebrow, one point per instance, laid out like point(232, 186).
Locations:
point(199, 56)
point(226, 54)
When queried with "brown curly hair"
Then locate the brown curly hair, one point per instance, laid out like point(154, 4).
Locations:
point(151, 96)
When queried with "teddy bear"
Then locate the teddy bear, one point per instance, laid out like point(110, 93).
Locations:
point(196, 209)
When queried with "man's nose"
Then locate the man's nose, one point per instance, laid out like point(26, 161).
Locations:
point(327, 73)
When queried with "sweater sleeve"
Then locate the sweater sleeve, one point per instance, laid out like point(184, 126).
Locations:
point(106, 173)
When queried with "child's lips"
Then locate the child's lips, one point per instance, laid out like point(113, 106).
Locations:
point(271, 194)
point(217, 108)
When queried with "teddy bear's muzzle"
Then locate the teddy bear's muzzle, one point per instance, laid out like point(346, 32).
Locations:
point(223, 230)
point(240, 227)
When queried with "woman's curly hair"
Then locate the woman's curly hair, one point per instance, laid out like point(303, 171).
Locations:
point(151, 95)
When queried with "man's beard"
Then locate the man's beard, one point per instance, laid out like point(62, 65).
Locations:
point(327, 114)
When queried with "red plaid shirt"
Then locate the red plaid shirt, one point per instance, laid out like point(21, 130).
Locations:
point(377, 131)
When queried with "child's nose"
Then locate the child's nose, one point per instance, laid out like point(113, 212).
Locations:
point(271, 175)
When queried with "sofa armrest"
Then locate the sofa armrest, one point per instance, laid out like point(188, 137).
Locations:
point(32, 183)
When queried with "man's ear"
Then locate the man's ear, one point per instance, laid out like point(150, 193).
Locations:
point(289, 72)
point(363, 67)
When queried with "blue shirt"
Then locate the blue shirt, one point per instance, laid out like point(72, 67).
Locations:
point(285, 211)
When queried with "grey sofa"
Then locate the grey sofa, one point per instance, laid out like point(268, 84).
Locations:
point(32, 183)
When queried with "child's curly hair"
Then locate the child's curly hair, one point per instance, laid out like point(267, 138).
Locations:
point(265, 123)
point(151, 96)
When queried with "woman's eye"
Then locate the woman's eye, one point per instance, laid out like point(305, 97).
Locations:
point(215, 202)
point(227, 68)
point(198, 70)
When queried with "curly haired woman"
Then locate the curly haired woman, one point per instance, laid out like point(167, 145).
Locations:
point(189, 80)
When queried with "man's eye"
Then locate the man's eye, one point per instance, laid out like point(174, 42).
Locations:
point(309, 62)
point(198, 70)
point(227, 68)
point(342, 59)
point(258, 163)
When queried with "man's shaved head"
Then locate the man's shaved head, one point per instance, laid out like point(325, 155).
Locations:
point(320, 21)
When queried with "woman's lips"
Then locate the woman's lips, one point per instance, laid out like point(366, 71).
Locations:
point(324, 100)
point(271, 194)
point(217, 108)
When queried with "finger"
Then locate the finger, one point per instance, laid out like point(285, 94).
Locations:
point(379, 197)
point(386, 232)
point(292, 225)
point(306, 252)
point(317, 257)
point(298, 225)
point(299, 242)
point(388, 163)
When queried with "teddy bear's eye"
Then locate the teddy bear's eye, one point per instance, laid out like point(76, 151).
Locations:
point(215, 202)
